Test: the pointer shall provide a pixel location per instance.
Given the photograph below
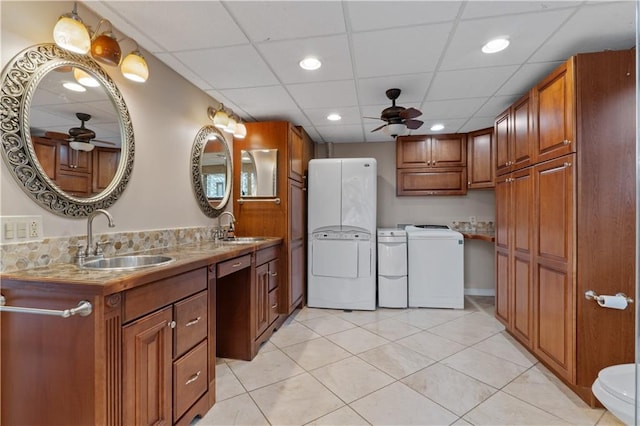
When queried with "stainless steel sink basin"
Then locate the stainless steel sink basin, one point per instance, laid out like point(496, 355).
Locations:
point(124, 263)
point(245, 240)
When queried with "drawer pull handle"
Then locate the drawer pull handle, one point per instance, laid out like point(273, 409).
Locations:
point(235, 265)
point(274, 274)
point(275, 305)
point(171, 324)
point(193, 322)
point(193, 378)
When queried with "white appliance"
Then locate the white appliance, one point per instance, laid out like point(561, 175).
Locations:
point(392, 268)
point(436, 267)
point(342, 226)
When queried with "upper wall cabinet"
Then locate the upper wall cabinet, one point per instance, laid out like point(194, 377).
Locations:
point(480, 153)
point(431, 165)
point(514, 136)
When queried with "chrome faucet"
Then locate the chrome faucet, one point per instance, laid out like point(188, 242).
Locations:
point(232, 220)
point(90, 251)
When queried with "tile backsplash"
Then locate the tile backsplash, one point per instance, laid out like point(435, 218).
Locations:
point(14, 257)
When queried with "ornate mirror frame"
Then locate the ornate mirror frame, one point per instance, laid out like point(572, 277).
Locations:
point(197, 152)
point(20, 79)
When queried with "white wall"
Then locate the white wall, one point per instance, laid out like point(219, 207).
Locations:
point(394, 210)
point(166, 111)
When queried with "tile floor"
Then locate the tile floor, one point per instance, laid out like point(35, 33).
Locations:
point(395, 367)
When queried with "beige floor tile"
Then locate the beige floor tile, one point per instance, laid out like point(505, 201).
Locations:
point(315, 353)
point(427, 318)
point(540, 388)
point(609, 419)
point(328, 324)
point(295, 401)
point(487, 368)
point(307, 313)
point(506, 347)
point(265, 369)
point(227, 385)
point(431, 345)
point(397, 404)
point(291, 334)
point(267, 347)
point(357, 340)
point(391, 329)
point(396, 360)
point(351, 378)
point(365, 317)
point(239, 410)
point(503, 409)
point(469, 329)
point(344, 416)
point(453, 390)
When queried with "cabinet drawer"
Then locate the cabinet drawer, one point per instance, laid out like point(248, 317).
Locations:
point(273, 305)
point(190, 316)
point(189, 379)
point(267, 254)
point(233, 265)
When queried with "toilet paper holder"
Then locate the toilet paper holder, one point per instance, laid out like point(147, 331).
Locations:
point(592, 295)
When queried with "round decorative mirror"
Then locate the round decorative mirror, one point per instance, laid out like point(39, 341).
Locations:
point(211, 171)
point(67, 136)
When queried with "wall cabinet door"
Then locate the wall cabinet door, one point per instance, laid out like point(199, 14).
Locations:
point(262, 299)
point(105, 166)
point(555, 114)
point(147, 369)
point(413, 151)
point(296, 153)
point(480, 156)
point(448, 150)
point(502, 130)
point(555, 314)
point(432, 181)
point(522, 133)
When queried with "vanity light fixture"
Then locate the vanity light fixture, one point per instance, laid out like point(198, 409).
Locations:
point(240, 131)
point(310, 63)
point(227, 122)
point(495, 45)
point(220, 118)
point(231, 125)
point(334, 117)
point(437, 127)
point(395, 129)
point(71, 34)
point(81, 146)
point(84, 78)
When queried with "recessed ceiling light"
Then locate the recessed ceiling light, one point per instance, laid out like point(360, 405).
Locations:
point(437, 127)
point(75, 87)
point(495, 45)
point(334, 117)
point(310, 63)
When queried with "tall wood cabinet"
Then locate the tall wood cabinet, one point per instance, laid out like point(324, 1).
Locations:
point(286, 219)
point(565, 216)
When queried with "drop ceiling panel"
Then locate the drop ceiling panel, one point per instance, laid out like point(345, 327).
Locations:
point(229, 67)
point(526, 77)
point(476, 123)
point(376, 15)
point(341, 134)
point(454, 108)
point(182, 69)
point(318, 116)
point(399, 51)
point(470, 83)
point(465, 49)
point(281, 20)
point(261, 100)
point(481, 9)
point(372, 91)
point(324, 94)
point(283, 58)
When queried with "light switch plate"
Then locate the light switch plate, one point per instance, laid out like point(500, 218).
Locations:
point(21, 229)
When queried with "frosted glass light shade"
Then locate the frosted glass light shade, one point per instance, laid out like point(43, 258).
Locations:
point(81, 146)
point(70, 34)
point(221, 120)
point(231, 125)
point(134, 67)
point(85, 78)
point(240, 132)
point(105, 49)
point(396, 129)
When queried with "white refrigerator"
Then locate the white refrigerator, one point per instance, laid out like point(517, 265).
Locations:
point(342, 233)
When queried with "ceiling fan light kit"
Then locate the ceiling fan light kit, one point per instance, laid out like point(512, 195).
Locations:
point(398, 118)
point(71, 34)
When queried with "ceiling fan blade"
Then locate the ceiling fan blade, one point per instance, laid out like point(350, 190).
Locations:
point(378, 128)
point(373, 118)
point(413, 124)
point(410, 113)
point(103, 142)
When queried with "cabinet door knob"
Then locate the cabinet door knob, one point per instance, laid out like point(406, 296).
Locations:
point(171, 324)
point(567, 164)
point(566, 142)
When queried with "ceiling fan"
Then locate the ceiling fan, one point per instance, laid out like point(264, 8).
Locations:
point(81, 137)
point(398, 118)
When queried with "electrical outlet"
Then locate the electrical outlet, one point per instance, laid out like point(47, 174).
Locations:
point(35, 227)
point(472, 220)
point(20, 229)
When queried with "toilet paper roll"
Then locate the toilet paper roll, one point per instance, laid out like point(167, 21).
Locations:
point(613, 302)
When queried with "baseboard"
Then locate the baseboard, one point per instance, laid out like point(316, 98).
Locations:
point(479, 292)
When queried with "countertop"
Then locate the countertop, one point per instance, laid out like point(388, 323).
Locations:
point(484, 236)
point(97, 282)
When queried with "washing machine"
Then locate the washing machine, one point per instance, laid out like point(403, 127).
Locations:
point(392, 268)
point(436, 267)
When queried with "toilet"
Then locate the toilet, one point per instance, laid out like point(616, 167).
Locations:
point(615, 389)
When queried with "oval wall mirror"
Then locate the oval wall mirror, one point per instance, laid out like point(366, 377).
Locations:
point(67, 136)
point(211, 171)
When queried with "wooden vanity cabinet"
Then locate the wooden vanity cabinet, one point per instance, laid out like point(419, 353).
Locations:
point(565, 220)
point(480, 159)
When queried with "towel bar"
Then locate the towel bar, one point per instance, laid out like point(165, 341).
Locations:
point(83, 309)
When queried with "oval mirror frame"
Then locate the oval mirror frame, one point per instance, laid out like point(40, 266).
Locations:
point(205, 134)
point(20, 79)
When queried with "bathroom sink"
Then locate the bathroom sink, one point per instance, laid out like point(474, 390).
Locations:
point(124, 263)
point(244, 240)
